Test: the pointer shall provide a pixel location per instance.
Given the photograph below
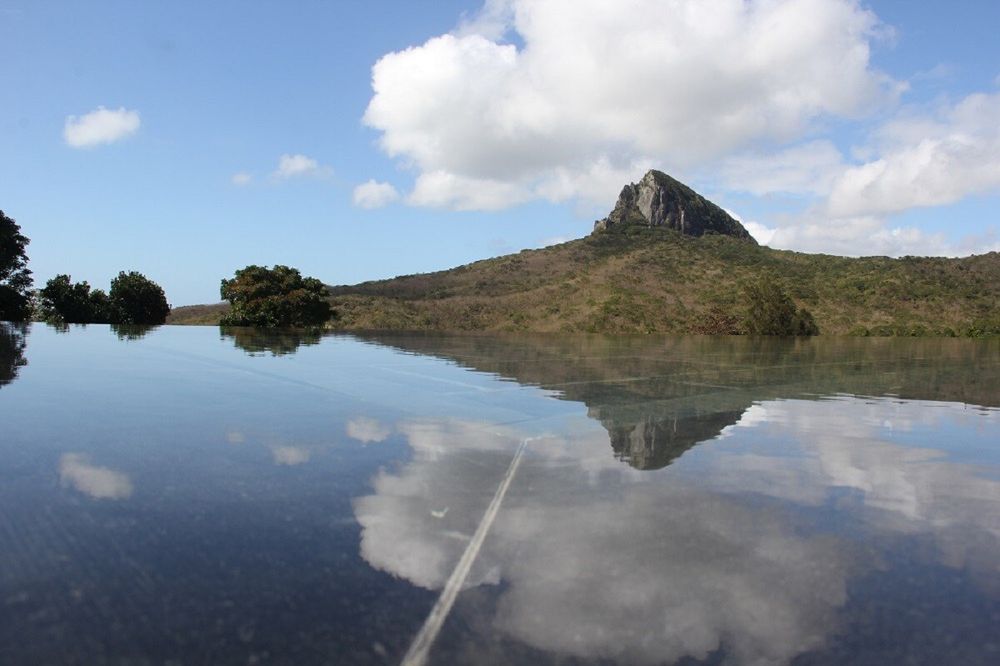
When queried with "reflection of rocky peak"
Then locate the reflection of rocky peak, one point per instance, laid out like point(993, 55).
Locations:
point(658, 396)
point(660, 201)
point(653, 444)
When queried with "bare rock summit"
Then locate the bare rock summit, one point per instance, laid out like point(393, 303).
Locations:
point(660, 201)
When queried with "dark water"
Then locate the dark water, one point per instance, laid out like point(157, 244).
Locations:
point(181, 496)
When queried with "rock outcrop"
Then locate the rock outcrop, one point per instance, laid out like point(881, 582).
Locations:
point(660, 201)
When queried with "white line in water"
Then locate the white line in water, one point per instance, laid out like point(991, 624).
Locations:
point(421, 645)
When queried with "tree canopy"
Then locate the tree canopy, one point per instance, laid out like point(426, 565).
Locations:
point(62, 301)
point(15, 278)
point(274, 297)
point(134, 300)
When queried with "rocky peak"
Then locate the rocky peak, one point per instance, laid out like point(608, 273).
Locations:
point(660, 201)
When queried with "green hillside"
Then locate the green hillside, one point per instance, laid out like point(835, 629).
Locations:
point(654, 279)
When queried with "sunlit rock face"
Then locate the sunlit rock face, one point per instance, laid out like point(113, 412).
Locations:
point(660, 201)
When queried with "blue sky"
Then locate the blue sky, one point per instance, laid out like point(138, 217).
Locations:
point(826, 125)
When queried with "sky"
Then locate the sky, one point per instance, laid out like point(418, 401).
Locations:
point(363, 140)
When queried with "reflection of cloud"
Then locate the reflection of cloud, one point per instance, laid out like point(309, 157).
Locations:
point(97, 482)
point(367, 430)
point(848, 443)
point(629, 568)
point(290, 455)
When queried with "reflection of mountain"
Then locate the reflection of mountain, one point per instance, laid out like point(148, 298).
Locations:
point(276, 341)
point(12, 344)
point(652, 444)
point(659, 396)
point(754, 554)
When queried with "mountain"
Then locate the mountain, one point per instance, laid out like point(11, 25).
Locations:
point(668, 260)
point(660, 201)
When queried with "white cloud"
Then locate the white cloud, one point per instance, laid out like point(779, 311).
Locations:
point(97, 482)
point(373, 194)
point(241, 179)
point(926, 161)
point(914, 160)
point(594, 92)
point(443, 189)
point(809, 168)
point(762, 234)
point(865, 235)
point(554, 240)
point(367, 430)
point(100, 126)
point(294, 166)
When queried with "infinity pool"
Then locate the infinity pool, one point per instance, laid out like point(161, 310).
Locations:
point(186, 495)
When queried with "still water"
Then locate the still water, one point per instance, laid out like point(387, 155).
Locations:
point(191, 496)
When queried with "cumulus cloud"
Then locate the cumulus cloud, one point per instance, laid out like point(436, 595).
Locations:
point(241, 179)
point(98, 482)
point(374, 194)
point(298, 165)
point(592, 93)
point(100, 126)
point(916, 160)
point(926, 161)
point(809, 168)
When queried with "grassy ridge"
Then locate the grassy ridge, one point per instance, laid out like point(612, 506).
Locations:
point(643, 280)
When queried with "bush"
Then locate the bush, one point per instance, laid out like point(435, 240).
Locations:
point(771, 311)
point(135, 299)
point(274, 297)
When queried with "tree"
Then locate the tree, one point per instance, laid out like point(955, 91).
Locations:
point(61, 301)
point(770, 311)
point(135, 299)
point(274, 297)
point(15, 278)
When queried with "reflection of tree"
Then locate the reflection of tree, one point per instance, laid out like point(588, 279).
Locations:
point(13, 340)
point(276, 341)
point(658, 396)
point(131, 332)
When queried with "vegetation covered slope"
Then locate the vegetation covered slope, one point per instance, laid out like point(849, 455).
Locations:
point(641, 279)
point(653, 279)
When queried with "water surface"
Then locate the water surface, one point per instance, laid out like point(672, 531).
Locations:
point(182, 495)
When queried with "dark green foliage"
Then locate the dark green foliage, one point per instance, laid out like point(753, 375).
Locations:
point(135, 299)
point(61, 301)
point(274, 298)
point(15, 278)
point(771, 311)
